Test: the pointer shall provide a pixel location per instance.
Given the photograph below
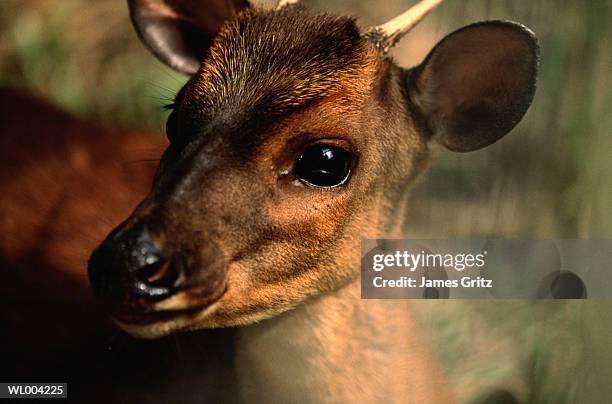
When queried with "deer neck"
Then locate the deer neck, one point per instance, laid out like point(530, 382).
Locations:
point(319, 351)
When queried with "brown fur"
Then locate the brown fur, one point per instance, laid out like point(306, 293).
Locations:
point(267, 252)
point(262, 232)
point(278, 256)
point(65, 184)
point(317, 53)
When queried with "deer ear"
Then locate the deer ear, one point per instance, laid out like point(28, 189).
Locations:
point(179, 32)
point(476, 84)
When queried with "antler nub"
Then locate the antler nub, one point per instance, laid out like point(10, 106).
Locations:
point(283, 3)
point(388, 34)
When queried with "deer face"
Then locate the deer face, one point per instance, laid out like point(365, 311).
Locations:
point(294, 138)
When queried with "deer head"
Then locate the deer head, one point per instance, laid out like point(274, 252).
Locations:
point(295, 137)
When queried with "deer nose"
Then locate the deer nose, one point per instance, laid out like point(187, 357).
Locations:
point(130, 268)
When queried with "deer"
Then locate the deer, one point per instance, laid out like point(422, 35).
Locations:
point(295, 137)
point(57, 176)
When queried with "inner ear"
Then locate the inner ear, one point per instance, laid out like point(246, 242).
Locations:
point(476, 84)
point(179, 32)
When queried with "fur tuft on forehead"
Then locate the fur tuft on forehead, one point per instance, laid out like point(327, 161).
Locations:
point(274, 61)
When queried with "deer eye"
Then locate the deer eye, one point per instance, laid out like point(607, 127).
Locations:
point(324, 166)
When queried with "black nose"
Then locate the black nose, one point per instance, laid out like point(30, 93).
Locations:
point(128, 267)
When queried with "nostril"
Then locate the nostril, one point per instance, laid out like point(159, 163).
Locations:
point(133, 268)
point(160, 278)
point(155, 271)
point(163, 273)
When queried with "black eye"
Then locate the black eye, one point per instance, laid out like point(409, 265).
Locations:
point(172, 127)
point(324, 165)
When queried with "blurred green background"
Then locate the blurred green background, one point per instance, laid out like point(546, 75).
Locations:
point(551, 178)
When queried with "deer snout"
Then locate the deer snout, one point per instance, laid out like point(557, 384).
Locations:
point(130, 269)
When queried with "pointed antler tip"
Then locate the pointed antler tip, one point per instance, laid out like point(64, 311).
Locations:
point(385, 36)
